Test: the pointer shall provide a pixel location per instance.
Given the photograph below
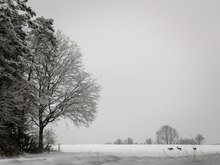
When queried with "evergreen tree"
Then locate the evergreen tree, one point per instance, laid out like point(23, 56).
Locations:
point(14, 17)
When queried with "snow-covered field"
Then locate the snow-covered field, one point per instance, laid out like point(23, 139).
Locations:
point(143, 150)
point(123, 155)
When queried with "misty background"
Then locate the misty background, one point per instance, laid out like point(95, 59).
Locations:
point(157, 62)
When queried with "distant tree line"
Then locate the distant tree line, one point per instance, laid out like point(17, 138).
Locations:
point(42, 79)
point(167, 135)
point(126, 141)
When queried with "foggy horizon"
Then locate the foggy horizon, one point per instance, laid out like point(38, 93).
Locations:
point(157, 62)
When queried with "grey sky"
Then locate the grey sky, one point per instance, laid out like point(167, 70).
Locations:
point(157, 61)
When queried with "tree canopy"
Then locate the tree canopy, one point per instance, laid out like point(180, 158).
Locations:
point(167, 135)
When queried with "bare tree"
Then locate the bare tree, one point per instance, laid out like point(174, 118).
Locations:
point(149, 141)
point(49, 139)
point(186, 141)
point(128, 141)
point(199, 139)
point(118, 141)
point(167, 135)
point(64, 88)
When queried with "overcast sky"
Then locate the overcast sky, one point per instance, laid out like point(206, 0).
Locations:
point(158, 62)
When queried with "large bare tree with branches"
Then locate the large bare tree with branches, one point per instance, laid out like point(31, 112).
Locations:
point(167, 135)
point(64, 88)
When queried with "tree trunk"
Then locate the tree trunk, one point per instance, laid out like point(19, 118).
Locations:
point(40, 139)
point(41, 130)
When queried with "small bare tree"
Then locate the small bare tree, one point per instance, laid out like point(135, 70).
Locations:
point(49, 139)
point(186, 141)
point(149, 141)
point(199, 139)
point(118, 141)
point(167, 135)
point(128, 141)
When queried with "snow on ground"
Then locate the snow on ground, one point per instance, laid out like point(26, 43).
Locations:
point(143, 150)
point(122, 155)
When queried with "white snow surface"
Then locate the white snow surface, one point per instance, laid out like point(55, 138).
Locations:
point(142, 150)
point(122, 155)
